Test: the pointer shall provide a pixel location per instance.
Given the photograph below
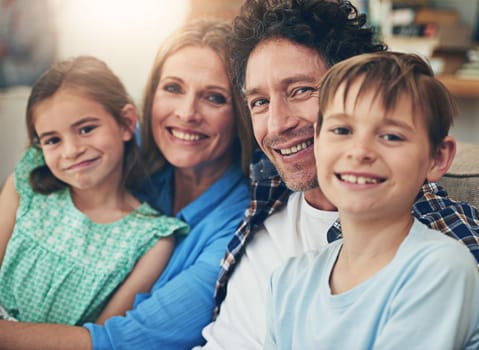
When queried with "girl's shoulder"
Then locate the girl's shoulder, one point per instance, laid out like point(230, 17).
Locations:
point(31, 159)
point(146, 218)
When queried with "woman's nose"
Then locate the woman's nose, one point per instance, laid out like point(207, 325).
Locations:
point(188, 109)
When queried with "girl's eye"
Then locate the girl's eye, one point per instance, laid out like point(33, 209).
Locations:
point(50, 141)
point(341, 131)
point(172, 88)
point(217, 99)
point(86, 129)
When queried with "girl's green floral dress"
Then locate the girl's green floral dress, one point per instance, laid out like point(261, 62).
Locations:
point(59, 266)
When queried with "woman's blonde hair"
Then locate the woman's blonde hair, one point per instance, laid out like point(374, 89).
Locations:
point(210, 33)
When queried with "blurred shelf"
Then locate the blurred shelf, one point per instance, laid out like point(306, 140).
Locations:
point(461, 87)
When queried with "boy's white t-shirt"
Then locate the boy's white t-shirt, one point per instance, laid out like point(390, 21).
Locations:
point(296, 228)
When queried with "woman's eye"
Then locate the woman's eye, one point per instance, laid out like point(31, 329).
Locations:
point(172, 88)
point(217, 99)
point(341, 131)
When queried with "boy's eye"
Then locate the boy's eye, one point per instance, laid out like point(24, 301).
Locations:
point(341, 131)
point(391, 137)
point(216, 98)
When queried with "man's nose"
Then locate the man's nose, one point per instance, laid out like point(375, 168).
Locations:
point(280, 115)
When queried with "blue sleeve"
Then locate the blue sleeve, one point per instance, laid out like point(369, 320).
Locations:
point(174, 314)
point(443, 303)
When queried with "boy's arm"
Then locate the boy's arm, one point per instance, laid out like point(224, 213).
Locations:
point(9, 201)
point(140, 280)
point(437, 307)
point(33, 336)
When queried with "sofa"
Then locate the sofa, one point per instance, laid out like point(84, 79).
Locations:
point(462, 179)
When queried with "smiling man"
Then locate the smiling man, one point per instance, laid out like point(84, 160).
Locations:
point(280, 52)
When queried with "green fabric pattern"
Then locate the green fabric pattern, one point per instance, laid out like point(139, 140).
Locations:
point(60, 267)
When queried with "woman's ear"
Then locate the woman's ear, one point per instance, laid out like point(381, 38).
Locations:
point(442, 160)
point(130, 117)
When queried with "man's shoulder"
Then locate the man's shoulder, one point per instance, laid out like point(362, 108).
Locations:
point(456, 219)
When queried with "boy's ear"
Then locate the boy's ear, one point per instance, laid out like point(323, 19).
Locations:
point(442, 160)
point(130, 117)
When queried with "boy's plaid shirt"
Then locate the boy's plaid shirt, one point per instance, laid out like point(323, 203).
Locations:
point(269, 193)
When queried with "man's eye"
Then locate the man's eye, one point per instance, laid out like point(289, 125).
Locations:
point(303, 91)
point(341, 131)
point(217, 99)
point(256, 103)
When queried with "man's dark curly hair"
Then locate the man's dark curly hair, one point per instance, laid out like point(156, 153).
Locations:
point(334, 29)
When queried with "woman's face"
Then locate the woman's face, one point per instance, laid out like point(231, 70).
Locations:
point(192, 116)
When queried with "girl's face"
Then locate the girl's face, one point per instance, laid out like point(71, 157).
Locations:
point(82, 143)
point(192, 116)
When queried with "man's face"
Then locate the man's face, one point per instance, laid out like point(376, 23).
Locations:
point(282, 82)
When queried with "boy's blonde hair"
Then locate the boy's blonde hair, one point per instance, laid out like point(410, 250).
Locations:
point(391, 75)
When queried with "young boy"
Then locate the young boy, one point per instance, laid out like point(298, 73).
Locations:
point(390, 282)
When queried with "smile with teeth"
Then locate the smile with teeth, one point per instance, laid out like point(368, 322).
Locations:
point(360, 180)
point(185, 136)
point(295, 148)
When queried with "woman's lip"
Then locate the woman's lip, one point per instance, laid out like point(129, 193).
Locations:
point(186, 135)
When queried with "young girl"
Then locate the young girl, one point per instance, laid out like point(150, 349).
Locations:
point(74, 230)
point(390, 282)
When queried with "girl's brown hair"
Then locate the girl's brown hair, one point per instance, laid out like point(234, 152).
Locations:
point(91, 78)
point(210, 33)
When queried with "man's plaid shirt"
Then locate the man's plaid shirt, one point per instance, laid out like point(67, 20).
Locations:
point(268, 193)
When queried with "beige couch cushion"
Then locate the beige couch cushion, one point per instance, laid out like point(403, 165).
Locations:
point(462, 180)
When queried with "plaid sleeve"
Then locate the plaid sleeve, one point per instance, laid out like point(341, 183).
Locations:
point(434, 208)
point(456, 219)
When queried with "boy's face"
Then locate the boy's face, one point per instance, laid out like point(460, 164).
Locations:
point(370, 163)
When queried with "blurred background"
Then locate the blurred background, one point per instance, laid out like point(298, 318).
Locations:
point(127, 33)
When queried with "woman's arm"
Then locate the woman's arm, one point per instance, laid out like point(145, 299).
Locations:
point(146, 271)
point(9, 201)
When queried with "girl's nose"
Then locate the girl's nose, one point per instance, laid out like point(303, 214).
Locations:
point(72, 147)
